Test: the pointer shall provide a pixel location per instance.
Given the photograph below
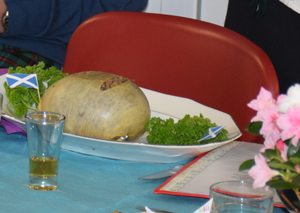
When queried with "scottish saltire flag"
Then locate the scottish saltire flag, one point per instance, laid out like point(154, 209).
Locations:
point(212, 133)
point(26, 80)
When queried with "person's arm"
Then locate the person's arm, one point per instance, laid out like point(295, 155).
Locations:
point(3, 10)
point(57, 19)
point(124, 5)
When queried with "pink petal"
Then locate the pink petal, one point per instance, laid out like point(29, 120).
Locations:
point(290, 124)
point(283, 153)
point(261, 172)
point(263, 100)
point(280, 144)
point(271, 140)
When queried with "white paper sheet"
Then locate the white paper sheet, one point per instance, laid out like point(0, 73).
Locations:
point(221, 164)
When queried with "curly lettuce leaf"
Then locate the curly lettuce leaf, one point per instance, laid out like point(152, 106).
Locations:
point(186, 131)
point(22, 98)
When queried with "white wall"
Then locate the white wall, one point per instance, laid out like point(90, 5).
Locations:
point(185, 8)
point(213, 11)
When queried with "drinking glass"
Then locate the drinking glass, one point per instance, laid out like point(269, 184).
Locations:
point(44, 135)
point(240, 197)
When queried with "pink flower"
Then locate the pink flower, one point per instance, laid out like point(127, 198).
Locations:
point(280, 144)
point(290, 124)
point(264, 100)
point(270, 116)
point(271, 140)
point(261, 172)
point(283, 153)
point(269, 129)
point(297, 168)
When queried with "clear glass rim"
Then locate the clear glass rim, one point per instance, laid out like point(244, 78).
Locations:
point(269, 193)
point(59, 117)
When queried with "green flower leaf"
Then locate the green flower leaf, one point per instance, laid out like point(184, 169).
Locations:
point(296, 203)
point(281, 184)
point(295, 160)
point(295, 177)
point(254, 127)
point(246, 165)
point(292, 150)
point(278, 165)
point(270, 153)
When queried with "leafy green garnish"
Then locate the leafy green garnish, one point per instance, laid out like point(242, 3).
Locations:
point(22, 98)
point(186, 131)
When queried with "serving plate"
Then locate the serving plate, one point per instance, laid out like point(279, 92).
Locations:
point(161, 105)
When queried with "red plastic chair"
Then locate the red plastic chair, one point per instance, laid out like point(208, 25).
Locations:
point(178, 56)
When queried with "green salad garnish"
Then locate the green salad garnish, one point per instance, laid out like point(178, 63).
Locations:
point(186, 131)
point(22, 98)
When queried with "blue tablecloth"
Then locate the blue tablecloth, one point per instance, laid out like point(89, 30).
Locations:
point(86, 184)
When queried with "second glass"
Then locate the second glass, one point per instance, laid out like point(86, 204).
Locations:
point(240, 197)
point(44, 135)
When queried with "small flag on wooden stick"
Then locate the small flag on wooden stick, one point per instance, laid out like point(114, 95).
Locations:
point(26, 80)
point(212, 133)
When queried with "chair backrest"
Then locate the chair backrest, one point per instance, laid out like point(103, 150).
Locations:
point(179, 56)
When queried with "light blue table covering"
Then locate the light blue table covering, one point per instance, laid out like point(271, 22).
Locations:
point(86, 184)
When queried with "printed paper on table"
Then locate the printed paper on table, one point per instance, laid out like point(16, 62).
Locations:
point(221, 164)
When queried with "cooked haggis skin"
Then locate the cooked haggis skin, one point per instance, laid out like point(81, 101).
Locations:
point(98, 105)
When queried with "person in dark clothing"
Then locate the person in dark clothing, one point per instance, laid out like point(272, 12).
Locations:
point(274, 25)
point(34, 30)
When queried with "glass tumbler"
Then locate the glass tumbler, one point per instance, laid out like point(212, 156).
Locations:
point(240, 197)
point(44, 135)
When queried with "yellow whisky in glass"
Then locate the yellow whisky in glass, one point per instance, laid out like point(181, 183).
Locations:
point(44, 170)
point(43, 167)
